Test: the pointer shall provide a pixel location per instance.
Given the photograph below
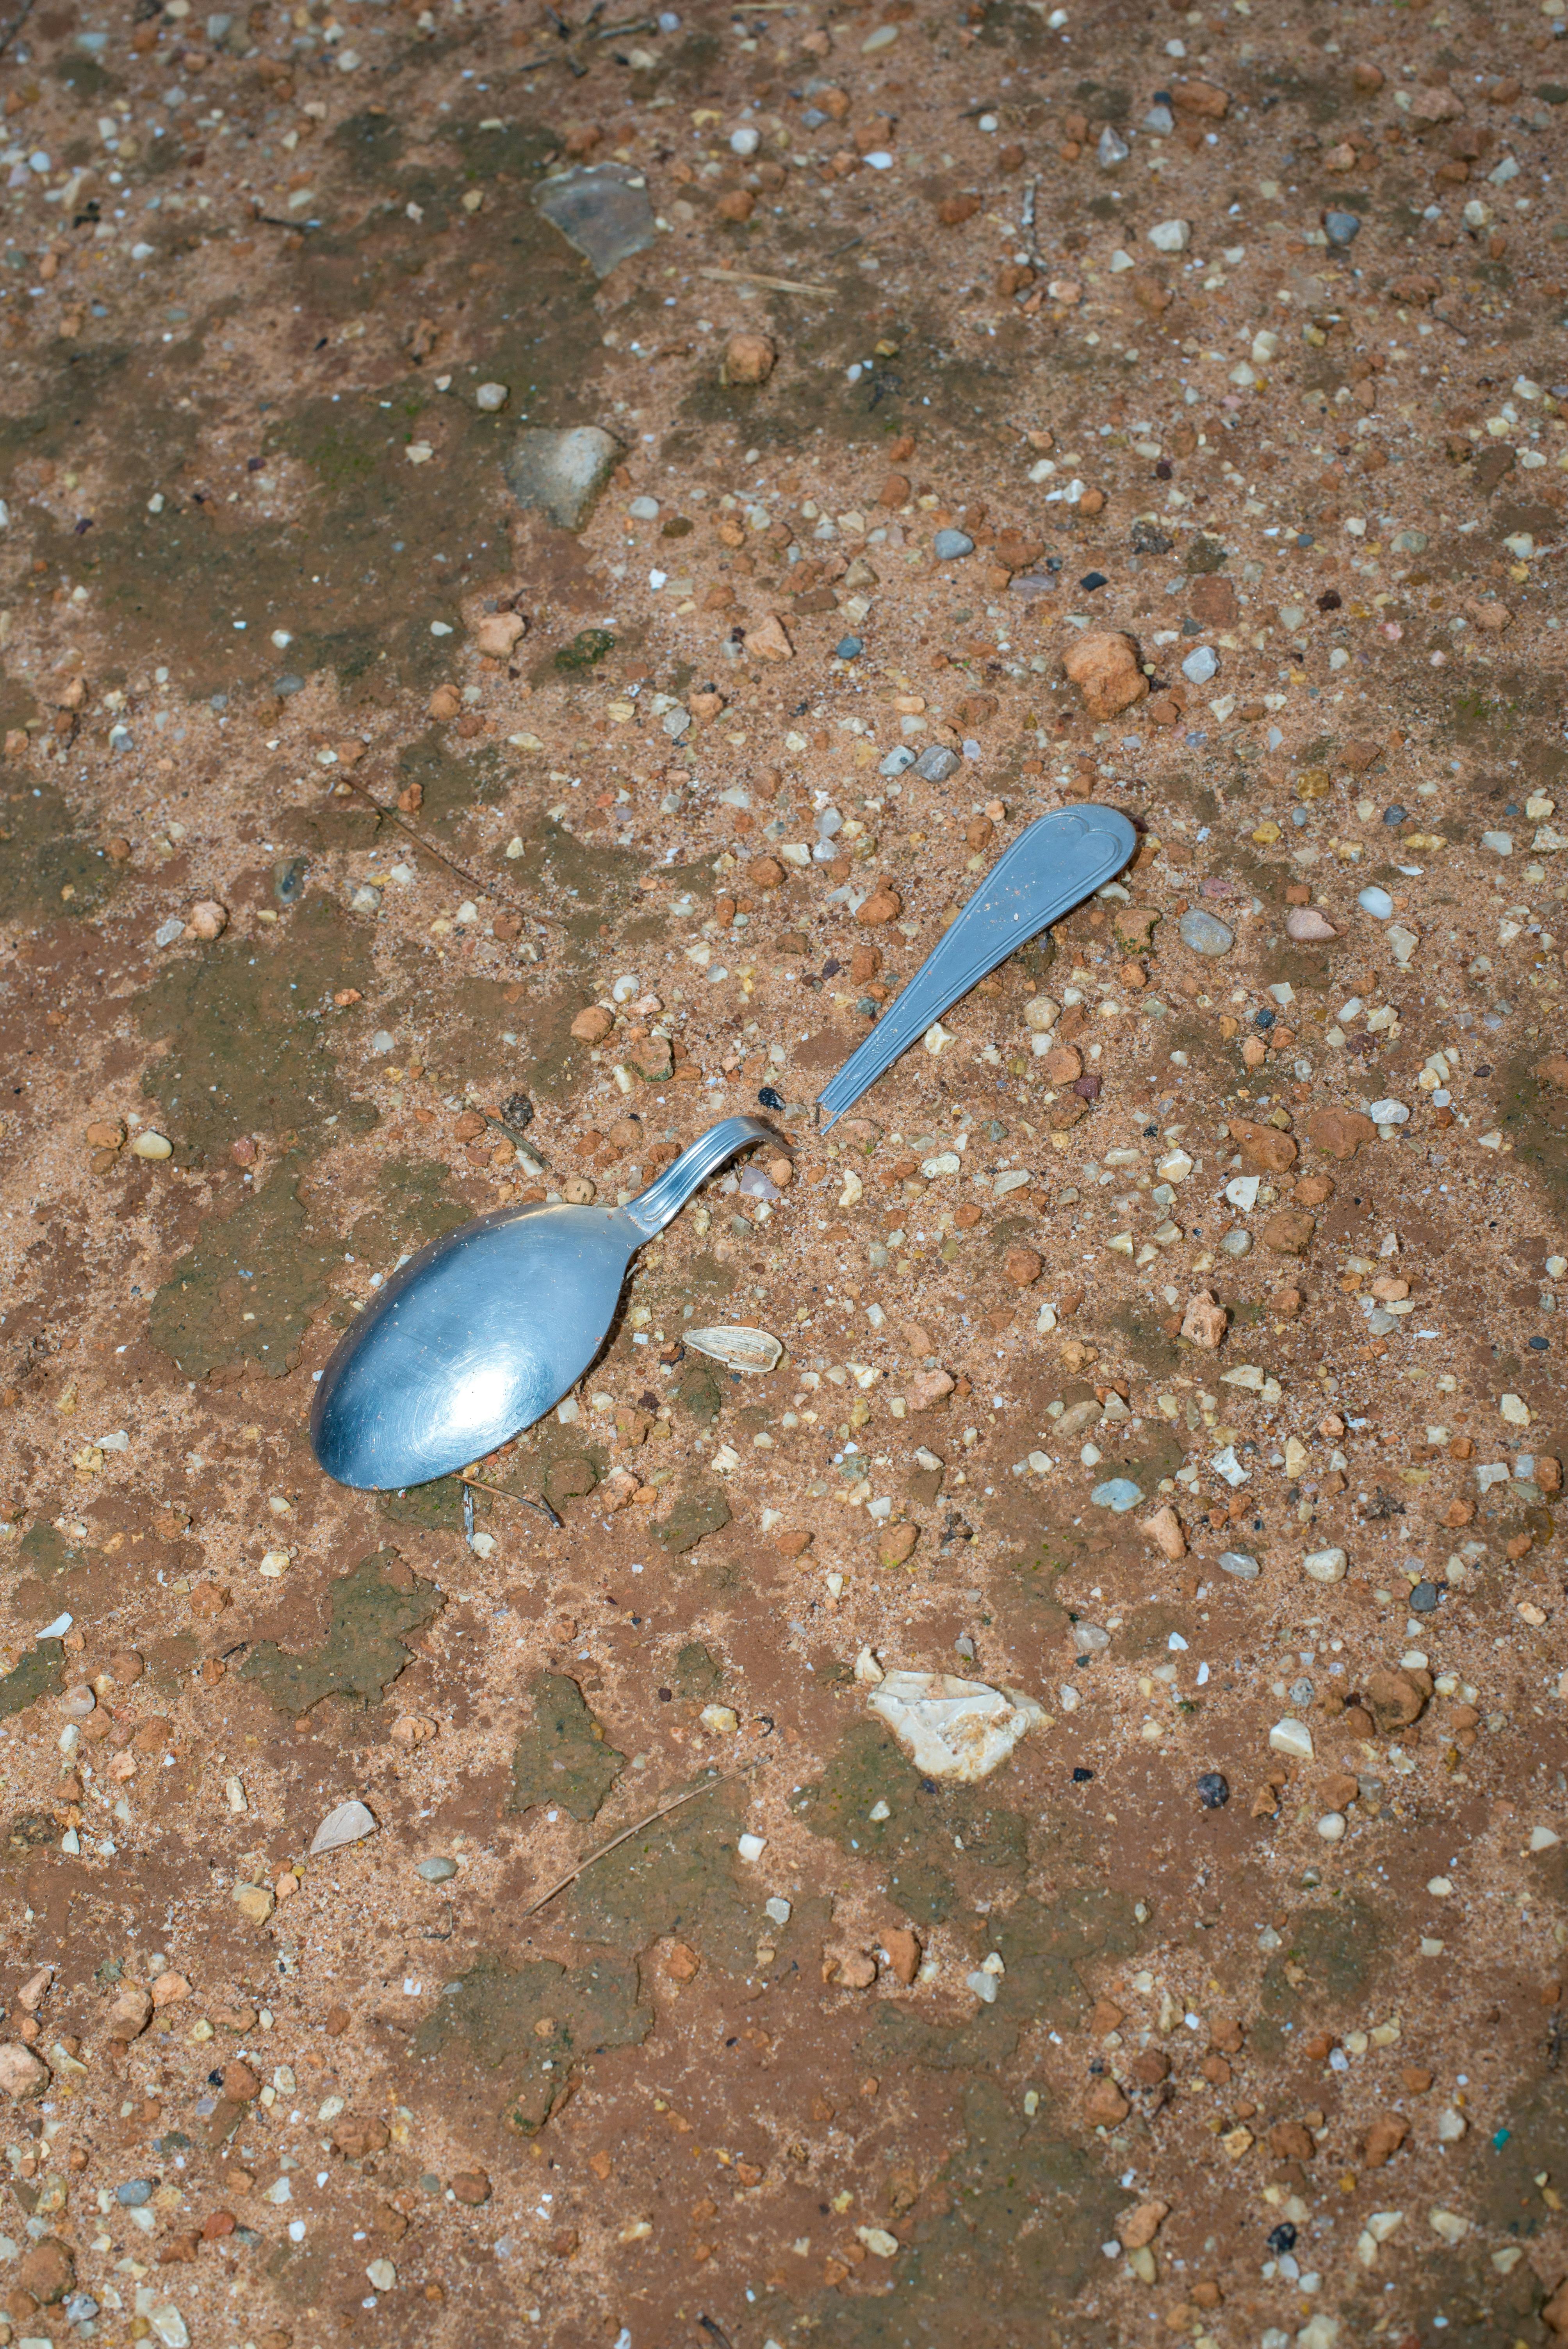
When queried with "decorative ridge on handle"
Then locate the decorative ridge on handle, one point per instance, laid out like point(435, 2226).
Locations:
point(1055, 863)
point(663, 1200)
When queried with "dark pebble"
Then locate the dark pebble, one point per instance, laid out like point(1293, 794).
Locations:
point(1091, 580)
point(517, 1110)
point(1081, 1778)
point(770, 1098)
point(289, 880)
point(1424, 1599)
point(1265, 1018)
point(1213, 1790)
point(850, 647)
point(1541, 1345)
point(1282, 2239)
point(1393, 815)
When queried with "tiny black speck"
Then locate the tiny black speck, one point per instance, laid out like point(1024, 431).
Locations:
point(1265, 1018)
point(1213, 1790)
point(1330, 600)
point(1091, 580)
point(1282, 2239)
point(1081, 1777)
point(928, 1785)
point(664, 1695)
point(770, 1098)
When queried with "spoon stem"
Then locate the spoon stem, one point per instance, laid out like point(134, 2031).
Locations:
point(651, 1209)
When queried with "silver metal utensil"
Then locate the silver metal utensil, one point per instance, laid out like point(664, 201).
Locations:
point(485, 1329)
point(1051, 865)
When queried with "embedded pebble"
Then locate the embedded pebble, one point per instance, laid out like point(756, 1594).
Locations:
point(1375, 902)
point(1118, 1495)
point(1202, 664)
point(1204, 933)
point(351, 1822)
point(1324, 1565)
point(937, 763)
point(952, 545)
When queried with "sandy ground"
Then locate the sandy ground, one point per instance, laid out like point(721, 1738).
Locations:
point(998, 407)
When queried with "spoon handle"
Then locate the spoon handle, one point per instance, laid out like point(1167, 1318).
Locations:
point(651, 1209)
point(1049, 867)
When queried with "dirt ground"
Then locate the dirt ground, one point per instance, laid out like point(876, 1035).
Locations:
point(991, 407)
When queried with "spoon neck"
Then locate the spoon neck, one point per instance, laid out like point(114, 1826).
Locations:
point(651, 1209)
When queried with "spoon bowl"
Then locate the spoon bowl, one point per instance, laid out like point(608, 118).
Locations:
point(484, 1330)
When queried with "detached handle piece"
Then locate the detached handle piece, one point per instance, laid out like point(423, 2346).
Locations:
point(1054, 864)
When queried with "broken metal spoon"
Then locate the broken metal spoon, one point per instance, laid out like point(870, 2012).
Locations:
point(486, 1330)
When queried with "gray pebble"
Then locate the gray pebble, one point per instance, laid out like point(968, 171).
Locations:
point(1302, 1692)
point(437, 1871)
point(850, 647)
point(1341, 228)
point(1424, 1599)
point(644, 509)
point(287, 685)
point(1112, 149)
point(1160, 121)
point(1118, 1493)
point(897, 761)
point(1206, 933)
point(134, 2194)
point(937, 763)
point(1201, 664)
point(952, 545)
point(1237, 1562)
